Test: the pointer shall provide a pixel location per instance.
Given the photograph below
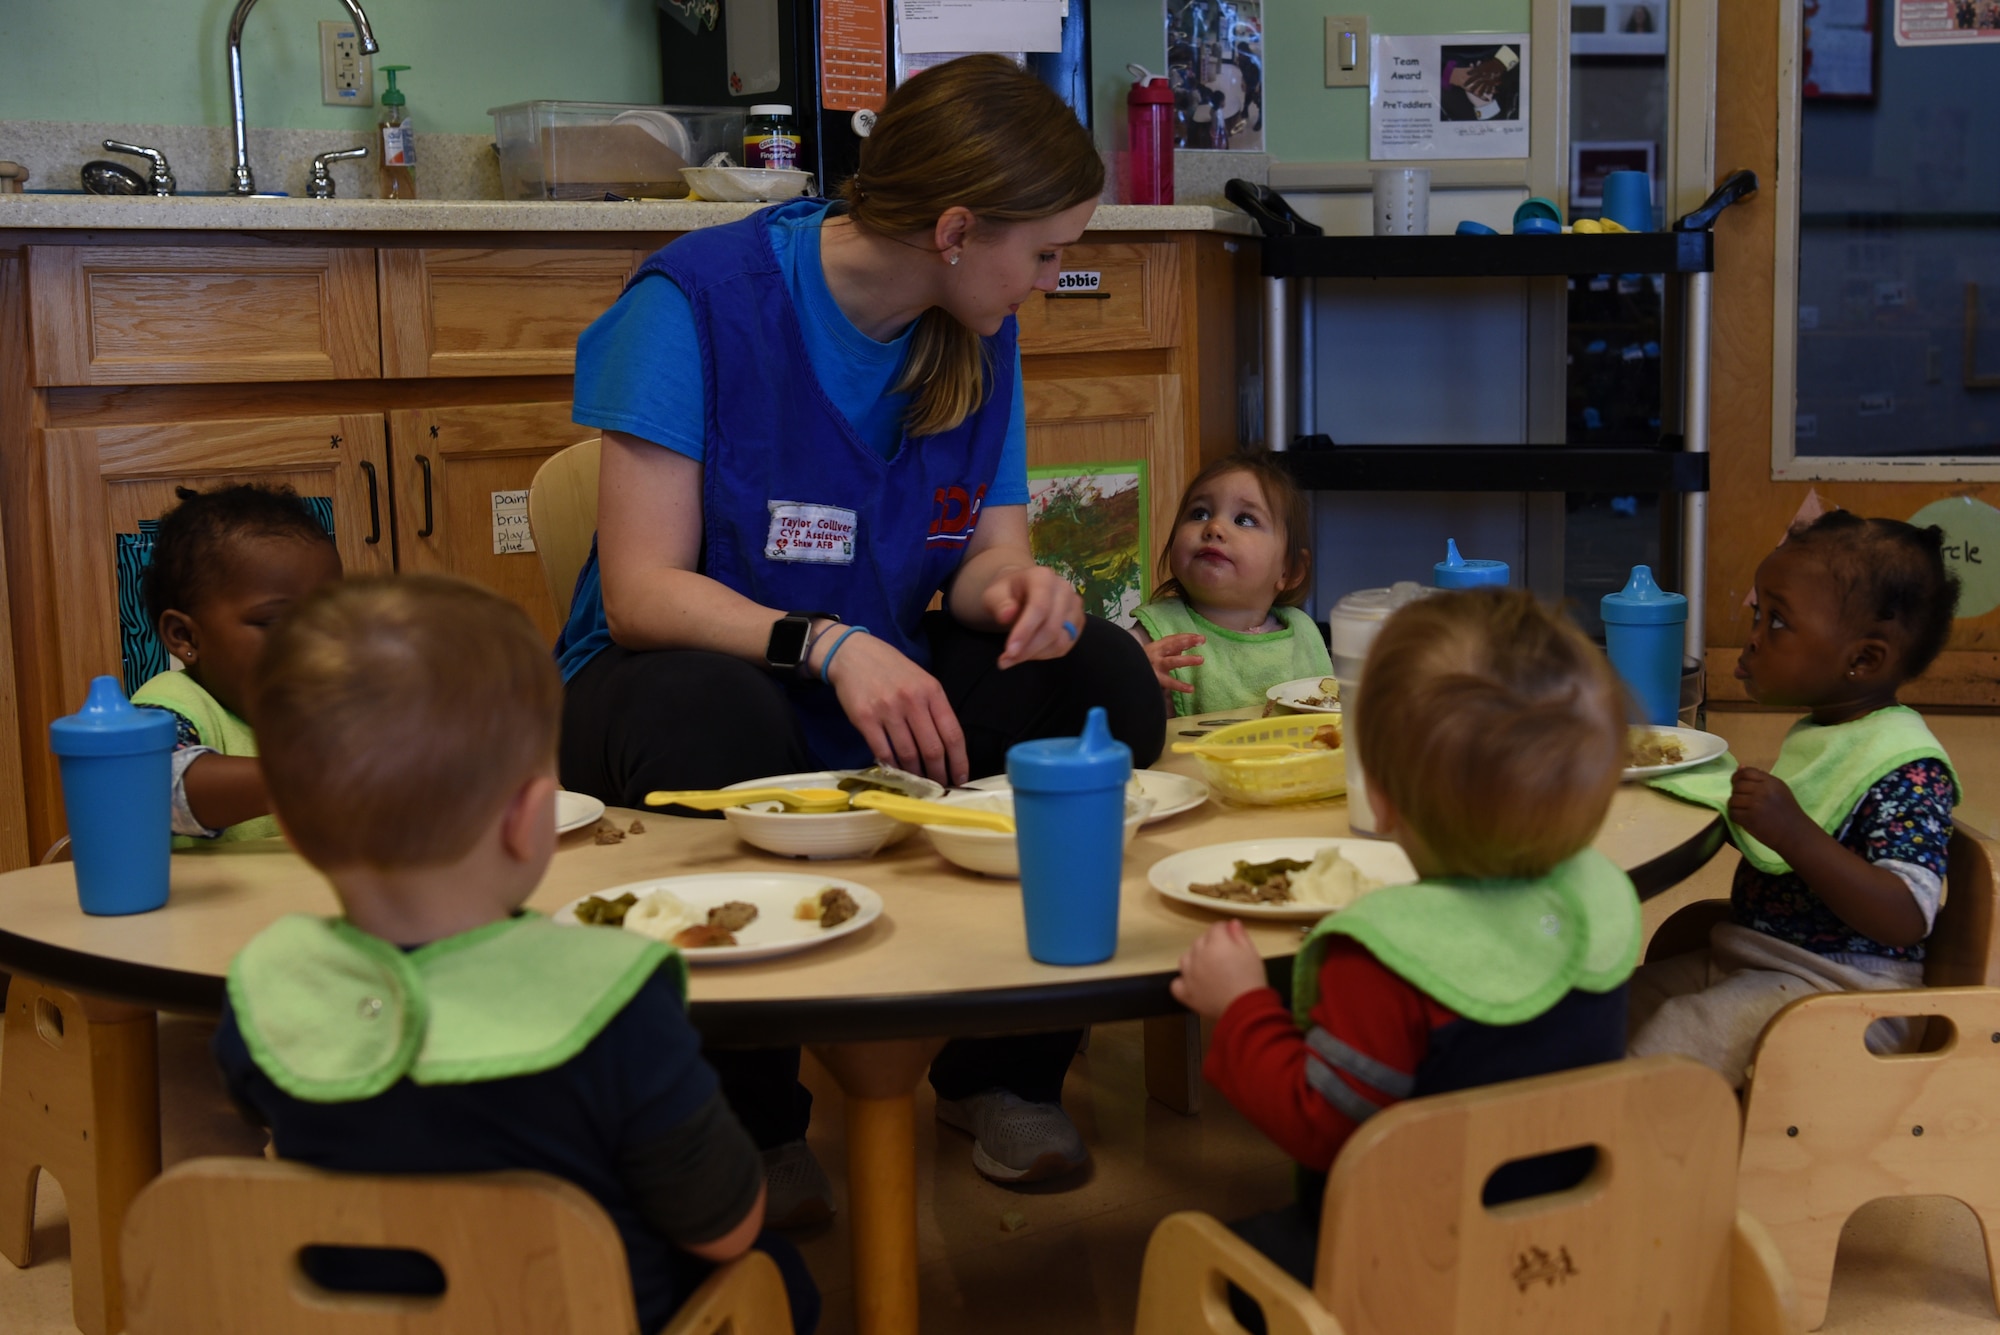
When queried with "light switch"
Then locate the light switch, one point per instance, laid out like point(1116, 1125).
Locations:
point(1347, 51)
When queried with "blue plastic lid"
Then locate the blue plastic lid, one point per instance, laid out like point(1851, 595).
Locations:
point(110, 725)
point(1072, 764)
point(1537, 227)
point(1471, 228)
point(1455, 572)
point(1643, 603)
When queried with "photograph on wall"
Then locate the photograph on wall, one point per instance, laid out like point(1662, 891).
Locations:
point(1087, 522)
point(1946, 22)
point(1457, 96)
point(1618, 27)
point(1590, 161)
point(1215, 62)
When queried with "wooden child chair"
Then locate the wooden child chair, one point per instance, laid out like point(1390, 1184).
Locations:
point(1829, 1126)
point(562, 517)
point(1650, 1241)
point(212, 1248)
point(79, 1097)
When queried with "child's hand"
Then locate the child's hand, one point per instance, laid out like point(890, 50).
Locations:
point(1762, 806)
point(1170, 652)
point(1218, 968)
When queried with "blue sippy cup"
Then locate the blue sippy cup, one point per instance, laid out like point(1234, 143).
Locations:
point(1644, 631)
point(1455, 572)
point(117, 784)
point(1069, 818)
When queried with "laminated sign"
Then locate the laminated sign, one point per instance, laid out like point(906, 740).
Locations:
point(510, 523)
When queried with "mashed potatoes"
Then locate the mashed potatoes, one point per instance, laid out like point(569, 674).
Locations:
point(1331, 880)
point(661, 916)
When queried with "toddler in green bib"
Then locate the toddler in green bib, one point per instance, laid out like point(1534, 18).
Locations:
point(1232, 575)
point(436, 1026)
point(1844, 838)
point(1495, 735)
point(226, 564)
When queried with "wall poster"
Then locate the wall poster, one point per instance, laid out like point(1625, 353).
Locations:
point(1215, 62)
point(1945, 22)
point(1454, 96)
point(1087, 522)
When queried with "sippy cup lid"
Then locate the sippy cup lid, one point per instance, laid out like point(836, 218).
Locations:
point(110, 725)
point(1072, 764)
point(1643, 603)
point(1455, 572)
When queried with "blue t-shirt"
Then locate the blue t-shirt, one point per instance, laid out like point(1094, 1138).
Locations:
point(639, 371)
point(636, 1082)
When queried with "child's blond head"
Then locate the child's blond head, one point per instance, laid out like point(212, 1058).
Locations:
point(1495, 730)
point(396, 715)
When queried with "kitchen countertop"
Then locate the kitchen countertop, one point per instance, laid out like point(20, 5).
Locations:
point(216, 213)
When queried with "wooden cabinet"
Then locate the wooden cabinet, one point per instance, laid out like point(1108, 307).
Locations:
point(159, 315)
point(494, 312)
point(104, 481)
point(450, 465)
point(409, 383)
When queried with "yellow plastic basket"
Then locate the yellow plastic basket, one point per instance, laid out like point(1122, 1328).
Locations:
point(1270, 780)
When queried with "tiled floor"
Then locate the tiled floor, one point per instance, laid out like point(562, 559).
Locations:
point(1064, 1259)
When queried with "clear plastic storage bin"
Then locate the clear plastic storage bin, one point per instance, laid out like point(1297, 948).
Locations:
point(581, 150)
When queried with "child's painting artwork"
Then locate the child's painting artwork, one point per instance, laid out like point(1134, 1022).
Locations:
point(1088, 523)
point(144, 656)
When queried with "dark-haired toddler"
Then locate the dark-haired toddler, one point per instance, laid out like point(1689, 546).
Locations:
point(226, 564)
point(1844, 839)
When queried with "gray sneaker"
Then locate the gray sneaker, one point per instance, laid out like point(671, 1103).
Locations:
point(1014, 1140)
point(797, 1193)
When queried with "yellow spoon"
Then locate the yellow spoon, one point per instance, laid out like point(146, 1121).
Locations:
point(1240, 750)
point(915, 812)
point(795, 799)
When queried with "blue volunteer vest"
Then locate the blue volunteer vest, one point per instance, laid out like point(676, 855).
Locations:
point(798, 512)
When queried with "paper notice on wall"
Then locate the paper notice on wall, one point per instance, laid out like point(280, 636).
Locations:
point(510, 523)
point(924, 26)
point(1455, 96)
point(1944, 22)
point(853, 54)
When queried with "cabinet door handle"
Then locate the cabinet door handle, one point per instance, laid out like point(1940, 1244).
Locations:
point(424, 463)
point(1076, 296)
point(374, 504)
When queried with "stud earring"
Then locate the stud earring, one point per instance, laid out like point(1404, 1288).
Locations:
point(952, 258)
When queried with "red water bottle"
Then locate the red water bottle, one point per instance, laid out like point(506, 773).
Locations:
point(1149, 111)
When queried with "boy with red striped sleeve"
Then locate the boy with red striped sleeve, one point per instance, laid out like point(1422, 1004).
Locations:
point(1495, 737)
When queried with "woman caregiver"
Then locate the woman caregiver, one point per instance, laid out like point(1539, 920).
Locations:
point(812, 424)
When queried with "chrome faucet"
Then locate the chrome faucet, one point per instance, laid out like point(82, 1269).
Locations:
point(240, 181)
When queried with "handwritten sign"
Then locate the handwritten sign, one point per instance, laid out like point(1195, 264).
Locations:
point(510, 523)
point(1971, 549)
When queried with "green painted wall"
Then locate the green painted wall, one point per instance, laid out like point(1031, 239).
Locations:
point(1309, 122)
point(163, 63)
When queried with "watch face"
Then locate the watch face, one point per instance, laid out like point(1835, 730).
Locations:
point(788, 641)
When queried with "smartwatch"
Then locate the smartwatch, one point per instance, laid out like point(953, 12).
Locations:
point(790, 634)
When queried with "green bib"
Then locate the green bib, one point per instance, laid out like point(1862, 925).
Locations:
point(216, 727)
point(1236, 668)
point(1496, 951)
point(1829, 769)
point(334, 1015)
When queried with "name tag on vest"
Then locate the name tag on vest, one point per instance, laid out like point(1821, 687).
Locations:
point(819, 534)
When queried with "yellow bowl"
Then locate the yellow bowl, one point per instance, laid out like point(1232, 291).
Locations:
point(1268, 781)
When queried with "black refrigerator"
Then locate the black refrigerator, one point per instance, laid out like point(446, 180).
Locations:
point(774, 55)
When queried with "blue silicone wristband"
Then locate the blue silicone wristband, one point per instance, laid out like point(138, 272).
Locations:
point(827, 662)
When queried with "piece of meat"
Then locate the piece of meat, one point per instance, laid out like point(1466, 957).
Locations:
point(836, 906)
point(608, 833)
point(733, 916)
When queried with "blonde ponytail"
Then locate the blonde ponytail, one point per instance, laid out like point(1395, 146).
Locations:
point(982, 134)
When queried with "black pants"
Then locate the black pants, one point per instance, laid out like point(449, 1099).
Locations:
point(634, 722)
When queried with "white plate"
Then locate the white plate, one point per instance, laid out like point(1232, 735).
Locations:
point(746, 185)
point(1171, 876)
point(1171, 793)
point(1293, 695)
point(776, 894)
point(1702, 747)
point(576, 810)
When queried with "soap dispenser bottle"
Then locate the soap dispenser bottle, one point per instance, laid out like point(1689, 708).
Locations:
point(399, 142)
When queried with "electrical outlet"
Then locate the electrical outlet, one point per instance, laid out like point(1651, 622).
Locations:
point(346, 77)
point(1347, 51)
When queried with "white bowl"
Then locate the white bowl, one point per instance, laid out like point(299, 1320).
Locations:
point(745, 185)
point(802, 834)
point(991, 853)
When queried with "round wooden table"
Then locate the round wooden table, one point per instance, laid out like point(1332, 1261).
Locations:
point(948, 957)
